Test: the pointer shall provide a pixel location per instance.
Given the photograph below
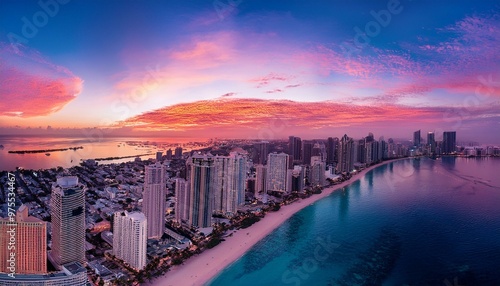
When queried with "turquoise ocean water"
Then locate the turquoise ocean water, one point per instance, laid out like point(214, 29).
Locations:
point(410, 222)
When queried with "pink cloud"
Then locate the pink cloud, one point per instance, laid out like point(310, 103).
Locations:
point(271, 77)
point(32, 86)
point(240, 114)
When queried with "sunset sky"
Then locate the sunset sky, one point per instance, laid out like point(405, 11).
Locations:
point(248, 68)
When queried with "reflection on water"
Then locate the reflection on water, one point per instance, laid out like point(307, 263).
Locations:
point(414, 222)
point(344, 203)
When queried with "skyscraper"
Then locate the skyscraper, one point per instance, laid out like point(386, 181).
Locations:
point(159, 156)
point(449, 142)
point(178, 152)
point(181, 200)
point(169, 154)
point(229, 179)
point(261, 151)
point(307, 149)
point(346, 155)
point(201, 190)
point(154, 204)
point(361, 151)
point(295, 148)
point(130, 235)
point(260, 179)
point(67, 205)
point(331, 150)
point(277, 165)
point(431, 142)
point(30, 243)
point(317, 172)
point(416, 138)
point(297, 179)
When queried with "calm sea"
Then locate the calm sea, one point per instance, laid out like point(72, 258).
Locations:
point(410, 222)
point(98, 147)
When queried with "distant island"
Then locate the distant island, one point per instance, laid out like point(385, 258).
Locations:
point(45, 150)
point(124, 157)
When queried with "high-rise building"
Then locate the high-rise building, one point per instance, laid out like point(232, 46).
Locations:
point(130, 235)
point(449, 142)
point(297, 180)
point(178, 152)
point(384, 149)
point(431, 142)
point(331, 150)
point(201, 190)
point(229, 179)
point(261, 151)
point(67, 205)
point(369, 152)
point(361, 151)
point(307, 149)
point(260, 179)
point(416, 138)
point(277, 165)
point(346, 155)
point(317, 172)
point(319, 149)
point(159, 156)
point(181, 200)
point(169, 154)
point(376, 155)
point(295, 148)
point(30, 243)
point(154, 199)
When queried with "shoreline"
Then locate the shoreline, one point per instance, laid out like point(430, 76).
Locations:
point(203, 268)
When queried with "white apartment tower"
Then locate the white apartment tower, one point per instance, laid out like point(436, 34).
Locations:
point(130, 238)
point(229, 179)
point(317, 171)
point(277, 165)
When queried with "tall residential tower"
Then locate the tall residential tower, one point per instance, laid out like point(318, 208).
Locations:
point(67, 205)
point(154, 204)
point(130, 238)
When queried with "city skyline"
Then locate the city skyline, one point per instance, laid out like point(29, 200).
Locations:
point(209, 69)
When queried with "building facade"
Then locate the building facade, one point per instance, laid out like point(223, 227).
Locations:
point(130, 238)
point(449, 142)
point(68, 221)
point(201, 190)
point(181, 200)
point(229, 183)
point(277, 166)
point(30, 243)
point(154, 199)
point(345, 155)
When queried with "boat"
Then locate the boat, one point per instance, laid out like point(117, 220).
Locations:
point(47, 154)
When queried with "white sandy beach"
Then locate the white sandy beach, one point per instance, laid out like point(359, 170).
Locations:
point(199, 269)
